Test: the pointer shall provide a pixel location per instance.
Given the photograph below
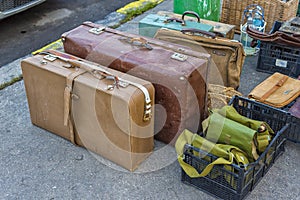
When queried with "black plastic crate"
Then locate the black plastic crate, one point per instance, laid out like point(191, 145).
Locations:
point(229, 185)
point(280, 58)
point(294, 133)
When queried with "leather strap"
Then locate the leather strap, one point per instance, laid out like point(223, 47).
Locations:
point(67, 104)
point(278, 37)
point(274, 88)
point(193, 173)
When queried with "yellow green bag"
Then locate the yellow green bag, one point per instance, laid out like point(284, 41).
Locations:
point(227, 154)
point(227, 126)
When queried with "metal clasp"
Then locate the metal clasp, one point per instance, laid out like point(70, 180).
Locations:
point(117, 83)
point(97, 31)
point(147, 113)
point(50, 58)
point(180, 57)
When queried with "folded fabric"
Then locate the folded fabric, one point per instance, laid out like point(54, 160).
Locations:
point(227, 126)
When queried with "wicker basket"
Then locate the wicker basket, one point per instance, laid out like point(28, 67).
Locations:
point(232, 11)
point(219, 96)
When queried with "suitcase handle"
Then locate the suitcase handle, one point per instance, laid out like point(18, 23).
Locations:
point(204, 33)
point(172, 19)
point(182, 21)
point(138, 42)
point(191, 13)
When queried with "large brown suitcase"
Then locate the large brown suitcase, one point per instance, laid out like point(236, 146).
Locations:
point(178, 76)
point(83, 105)
point(228, 56)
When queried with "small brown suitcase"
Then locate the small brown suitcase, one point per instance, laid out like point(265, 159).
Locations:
point(178, 76)
point(85, 106)
point(228, 56)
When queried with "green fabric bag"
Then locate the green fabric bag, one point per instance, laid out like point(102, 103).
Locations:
point(227, 126)
point(227, 154)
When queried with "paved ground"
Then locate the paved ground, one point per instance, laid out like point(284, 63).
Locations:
point(36, 164)
point(46, 22)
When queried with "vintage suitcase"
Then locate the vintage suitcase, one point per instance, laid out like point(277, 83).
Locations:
point(178, 76)
point(221, 29)
point(227, 55)
point(152, 22)
point(104, 110)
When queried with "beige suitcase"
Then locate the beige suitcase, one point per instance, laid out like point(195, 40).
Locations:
point(228, 56)
point(104, 110)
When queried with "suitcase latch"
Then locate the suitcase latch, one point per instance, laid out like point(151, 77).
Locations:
point(50, 58)
point(180, 57)
point(97, 31)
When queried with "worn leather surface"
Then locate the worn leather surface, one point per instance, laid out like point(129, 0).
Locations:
point(109, 123)
point(180, 86)
point(277, 90)
point(295, 109)
point(227, 56)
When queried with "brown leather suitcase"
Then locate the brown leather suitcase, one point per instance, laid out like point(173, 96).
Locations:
point(179, 77)
point(104, 110)
point(227, 56)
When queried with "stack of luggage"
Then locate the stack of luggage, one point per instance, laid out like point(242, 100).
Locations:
point(177, 82)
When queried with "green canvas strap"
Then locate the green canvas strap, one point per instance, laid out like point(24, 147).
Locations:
point(227, 153)
point(263, 141)
point(193, 173)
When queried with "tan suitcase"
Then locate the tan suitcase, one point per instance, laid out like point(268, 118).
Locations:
point(104, 110)
point(179, 75)
point(227, 56)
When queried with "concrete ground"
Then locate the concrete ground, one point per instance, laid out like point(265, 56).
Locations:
point(36, 164)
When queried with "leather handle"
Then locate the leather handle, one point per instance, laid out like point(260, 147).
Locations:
point(297, 35)
point(173, 19)
point(137, 41)
point(204, 33)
